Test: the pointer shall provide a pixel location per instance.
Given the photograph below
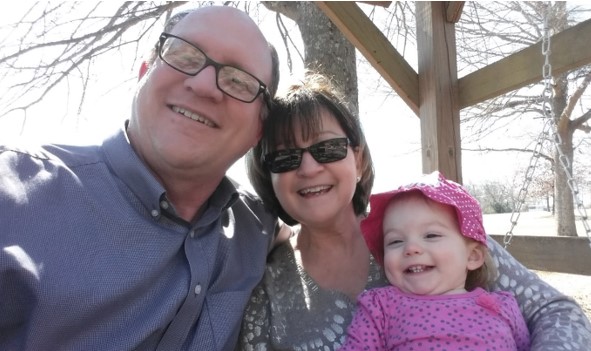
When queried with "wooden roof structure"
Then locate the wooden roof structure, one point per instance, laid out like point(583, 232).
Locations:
point(436, 95)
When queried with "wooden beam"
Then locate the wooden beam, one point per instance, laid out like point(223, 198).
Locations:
point(564, 254)
point(569, 49)
point(383, 4)
point(453, 11)
point(376, 48)
point(438, 96)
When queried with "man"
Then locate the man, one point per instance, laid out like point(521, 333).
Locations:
point(142, 243)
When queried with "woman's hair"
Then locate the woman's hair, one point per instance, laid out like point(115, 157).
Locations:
point(302, 105)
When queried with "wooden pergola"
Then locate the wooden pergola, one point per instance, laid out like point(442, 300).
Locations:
point(436, 95)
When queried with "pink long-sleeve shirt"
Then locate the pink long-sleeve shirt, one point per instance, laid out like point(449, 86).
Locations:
point(388, 319)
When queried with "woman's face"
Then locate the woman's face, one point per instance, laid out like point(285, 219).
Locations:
point(319, 193)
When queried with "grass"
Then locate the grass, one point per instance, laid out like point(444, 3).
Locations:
point(528, 223)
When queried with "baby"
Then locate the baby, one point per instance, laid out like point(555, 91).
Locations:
point(430, 239)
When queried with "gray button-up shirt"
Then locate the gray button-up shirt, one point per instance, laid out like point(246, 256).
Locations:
point(93, 256)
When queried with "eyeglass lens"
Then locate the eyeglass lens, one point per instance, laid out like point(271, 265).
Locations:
point(326, 151)
point(189, 59)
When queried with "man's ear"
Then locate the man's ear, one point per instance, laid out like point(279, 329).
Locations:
point(143, 69)
point(259, 134)
point(476, 256)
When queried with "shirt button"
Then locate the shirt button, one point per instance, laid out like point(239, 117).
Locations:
point(155, 213)
point(192, 233)
point(198, 289)
point(164, 204)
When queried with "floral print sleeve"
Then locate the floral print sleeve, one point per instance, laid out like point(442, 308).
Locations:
point(554, 320)
point(255, 334)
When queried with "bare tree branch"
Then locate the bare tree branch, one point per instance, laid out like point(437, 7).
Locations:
point(91, 35)
point(511, 149)
point(577, 123)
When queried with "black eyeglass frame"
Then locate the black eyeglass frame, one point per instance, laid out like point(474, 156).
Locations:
point(217, 66)
point(293, 164)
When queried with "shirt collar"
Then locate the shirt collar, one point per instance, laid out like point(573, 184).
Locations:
point(128, 167)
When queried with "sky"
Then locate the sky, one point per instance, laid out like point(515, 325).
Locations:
point(392, 129)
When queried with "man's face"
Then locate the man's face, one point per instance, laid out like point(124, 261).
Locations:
point(184, 124)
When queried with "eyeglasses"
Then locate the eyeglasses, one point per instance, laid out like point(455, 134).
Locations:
point(326, 151)
point(189, 59)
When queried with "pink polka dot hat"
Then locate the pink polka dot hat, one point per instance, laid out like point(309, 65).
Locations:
point(435, 187)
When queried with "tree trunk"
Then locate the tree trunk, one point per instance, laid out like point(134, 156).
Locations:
point(565, 212)
point(326, 49)
point(565, 215)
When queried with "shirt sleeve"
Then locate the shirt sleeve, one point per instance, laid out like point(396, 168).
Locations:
point(255, 331)
point(555, 321)
point(366, 331)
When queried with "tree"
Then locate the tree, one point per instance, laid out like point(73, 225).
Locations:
point(76, 41)
point(57, 43)
point(326, 49)
point(491, 30)
point(494, 196)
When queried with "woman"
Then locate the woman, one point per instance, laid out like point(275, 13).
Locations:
point(313, 167)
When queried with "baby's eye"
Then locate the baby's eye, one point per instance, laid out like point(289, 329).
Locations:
point(393, 242)
point(432, 236)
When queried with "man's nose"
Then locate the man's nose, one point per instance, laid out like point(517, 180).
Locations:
point(204, 84)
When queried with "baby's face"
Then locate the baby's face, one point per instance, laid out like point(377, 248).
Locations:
point(424, 250)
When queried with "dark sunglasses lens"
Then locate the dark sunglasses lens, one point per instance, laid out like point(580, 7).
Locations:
point(329, 150)
point(283, 160)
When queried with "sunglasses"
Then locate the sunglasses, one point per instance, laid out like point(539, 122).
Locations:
point(326, 151)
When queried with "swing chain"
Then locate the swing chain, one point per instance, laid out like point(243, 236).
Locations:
point(529, 173)
point(550, 116)
point(550, 123)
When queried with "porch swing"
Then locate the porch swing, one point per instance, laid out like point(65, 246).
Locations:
point(555, 254)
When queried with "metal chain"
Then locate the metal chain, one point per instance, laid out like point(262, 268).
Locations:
point(529, 173)
point(550, 123)
point(549, 115)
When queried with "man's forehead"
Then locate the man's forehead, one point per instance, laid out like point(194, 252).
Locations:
point(220, 15)
point(226, 24)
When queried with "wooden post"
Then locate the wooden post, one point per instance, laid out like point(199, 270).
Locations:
point(438, 93)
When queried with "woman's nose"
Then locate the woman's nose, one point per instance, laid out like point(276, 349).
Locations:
point(309, 165)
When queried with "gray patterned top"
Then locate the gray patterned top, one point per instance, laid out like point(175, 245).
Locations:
point(289, 311)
